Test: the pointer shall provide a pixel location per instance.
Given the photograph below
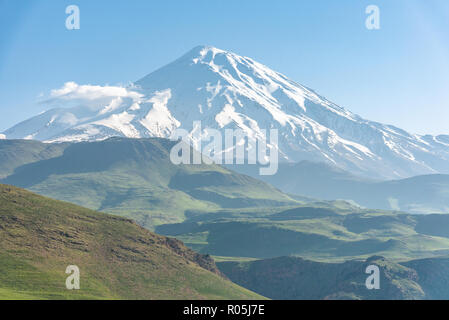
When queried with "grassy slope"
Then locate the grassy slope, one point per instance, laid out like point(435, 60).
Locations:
point(15, 153)
point(135, 178)
point(319, 231)
point(118, 259)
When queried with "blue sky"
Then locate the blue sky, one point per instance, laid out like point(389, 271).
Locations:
point(397, 75)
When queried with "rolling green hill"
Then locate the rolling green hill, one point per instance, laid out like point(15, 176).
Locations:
point(135, 178)
point(213, 210)
point(321, 231)
point(296, 278)
point(15, 153)
point(40, 237)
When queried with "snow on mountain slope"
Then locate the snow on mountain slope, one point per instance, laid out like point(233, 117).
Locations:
point(225, 90)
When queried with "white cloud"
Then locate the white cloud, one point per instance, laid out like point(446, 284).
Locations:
point(2, 136)
point(93, 96)
point(72, 90)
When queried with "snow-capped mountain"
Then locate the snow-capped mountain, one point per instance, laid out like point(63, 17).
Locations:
point(225, 90)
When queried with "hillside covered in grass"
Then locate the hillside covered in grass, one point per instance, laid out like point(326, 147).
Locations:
point(40, 237)
point(321, 231)
point(15, 153)
point(131, 177)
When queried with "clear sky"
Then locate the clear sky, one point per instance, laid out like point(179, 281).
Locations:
point(397, 75)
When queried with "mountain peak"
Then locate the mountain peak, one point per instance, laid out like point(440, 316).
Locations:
point(210, 55)
point(202, 50)
point(225, 90)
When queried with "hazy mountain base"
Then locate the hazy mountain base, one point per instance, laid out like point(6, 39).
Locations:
point(420, 194)
point(295, 278)
point(118, 259)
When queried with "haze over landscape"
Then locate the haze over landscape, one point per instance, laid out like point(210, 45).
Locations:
point(89, 179)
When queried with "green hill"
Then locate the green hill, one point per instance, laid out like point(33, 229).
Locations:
point(15, 153)
point(321, 231)
point(40, 237)
point(135, 178)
